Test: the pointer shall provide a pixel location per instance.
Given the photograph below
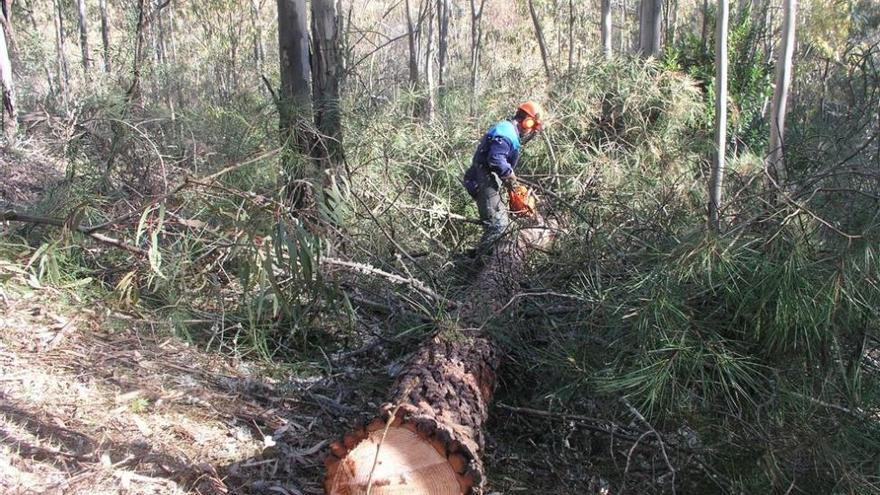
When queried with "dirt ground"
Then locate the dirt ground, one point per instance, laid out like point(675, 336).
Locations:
point(25, 175)
point(93, 403)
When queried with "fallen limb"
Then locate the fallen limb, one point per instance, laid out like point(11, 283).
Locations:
point(13, 216)
point(397, 279)
point(593, 424)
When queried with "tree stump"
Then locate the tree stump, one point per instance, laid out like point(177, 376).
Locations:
point(428, 439)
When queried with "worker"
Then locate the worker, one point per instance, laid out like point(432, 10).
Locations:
point(493, 166)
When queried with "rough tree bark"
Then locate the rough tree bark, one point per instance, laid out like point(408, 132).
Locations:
point(10, 116)
point(775, 165)
point(84, 36)
point(650, 14)
point(539, 35)
point(326, 60)
point(105, 33)
point(429, 437)
point(295, 100)
point(717, 177)
point(606, 29)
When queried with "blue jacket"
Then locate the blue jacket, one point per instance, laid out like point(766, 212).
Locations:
point(497, 152)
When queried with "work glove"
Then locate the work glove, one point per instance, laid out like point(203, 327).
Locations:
point(510, 182)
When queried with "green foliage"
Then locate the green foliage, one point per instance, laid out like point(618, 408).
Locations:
point(749, 78)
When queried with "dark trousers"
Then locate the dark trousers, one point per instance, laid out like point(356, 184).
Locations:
point(493, 211)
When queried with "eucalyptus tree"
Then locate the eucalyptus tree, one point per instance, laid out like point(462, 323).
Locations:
point(60, 58)
point(105, 33)
point(10, 117)
point(326, 73)
point(650, 14)
point(717, 177)
point(293, 50)
point(443, 10)
point(294, 101)
point(477, 8)
point(606, 28)
point(84, 35)
point(775, 165)
point(539, 36)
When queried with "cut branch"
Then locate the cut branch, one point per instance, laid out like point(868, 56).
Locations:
point(397, 279)
point(12, 216)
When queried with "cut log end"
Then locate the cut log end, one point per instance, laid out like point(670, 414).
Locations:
point(406, 462)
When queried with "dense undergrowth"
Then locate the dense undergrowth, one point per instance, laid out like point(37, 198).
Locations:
point(761, 340)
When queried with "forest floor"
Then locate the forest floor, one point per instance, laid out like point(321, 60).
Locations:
point(98, 401)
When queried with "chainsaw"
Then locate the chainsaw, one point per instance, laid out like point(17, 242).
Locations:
point(523, 202)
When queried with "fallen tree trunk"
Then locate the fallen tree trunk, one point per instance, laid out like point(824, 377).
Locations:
point(428, 439)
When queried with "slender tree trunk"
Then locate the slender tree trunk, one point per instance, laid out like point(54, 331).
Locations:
point(293, 44)
point(673, 24)
point(413, 49)
point(294, 105)
point(105, 34)
point(704, 34)
point(61, 58)
point(606, 29)
point(442, 41)
point(476, 47)
point(6, 19)
point(326, 61)
point(775, 164)
point(257, 29)
point(10, 112)
point(133, 93)
point(717, 177)
point(84, 36)
point(161, 45)
point(430, 97)
point(571, 17)
point(539, 36)
point(650, 15)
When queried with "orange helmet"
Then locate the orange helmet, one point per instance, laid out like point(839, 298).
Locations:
point(532, 114)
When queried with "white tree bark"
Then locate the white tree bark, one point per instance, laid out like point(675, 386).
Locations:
point(717, 177)
point(10, 117)
point(775, 165)
point(606, 28)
